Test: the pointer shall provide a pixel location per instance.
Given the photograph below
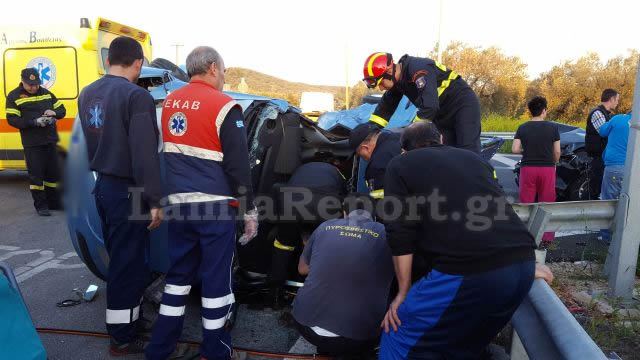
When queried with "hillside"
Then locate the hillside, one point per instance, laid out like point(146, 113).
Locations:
point(266, 85)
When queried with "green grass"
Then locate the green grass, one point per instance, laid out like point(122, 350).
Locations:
point(499, 123)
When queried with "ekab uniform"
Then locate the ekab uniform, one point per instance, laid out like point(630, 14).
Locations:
point(207, 171)
point(39, 142)
point(440, 95)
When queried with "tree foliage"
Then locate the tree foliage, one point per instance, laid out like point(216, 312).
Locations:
point(573, 88)
point(500, 81)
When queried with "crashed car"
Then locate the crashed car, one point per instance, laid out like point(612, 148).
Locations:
point(280, 139)
point(573, 182)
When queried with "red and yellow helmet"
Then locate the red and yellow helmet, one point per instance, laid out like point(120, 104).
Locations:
point(375, 68)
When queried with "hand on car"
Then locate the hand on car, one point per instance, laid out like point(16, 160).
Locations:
point(156, 218)
point(250, 227)
point(391, 319)
point(543, 272)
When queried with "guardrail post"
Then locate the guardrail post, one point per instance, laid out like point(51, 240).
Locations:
point(626, 237)
point(538, 222)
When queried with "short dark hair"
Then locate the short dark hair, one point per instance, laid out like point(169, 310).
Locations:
point(124, 51)
point(607, 94)
point(420, 134)
point(537, 105)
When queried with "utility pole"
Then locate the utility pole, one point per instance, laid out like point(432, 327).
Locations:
point(626, 235)
point(346, 75)
point(177, 46)
point(438, 44)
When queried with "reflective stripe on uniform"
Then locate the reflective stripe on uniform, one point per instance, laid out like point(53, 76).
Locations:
point(378, 120)
point(194, 151)
point(418, 119)
point(214, 324)
point(377, 194)
point(167, 310)
point(50, 184)
point(57, 104)
point(278, 245)
point(33, 99)
point(223, 114)
point(177, 289)
point(215, 303)
point(14, 111)
point(445, 84)
point(495, 175)
point(36, 187)
point(125, 316)
point(181, 198)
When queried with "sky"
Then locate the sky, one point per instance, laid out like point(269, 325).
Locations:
point(326, 42)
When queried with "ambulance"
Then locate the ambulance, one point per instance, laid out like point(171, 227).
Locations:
point(68, 58)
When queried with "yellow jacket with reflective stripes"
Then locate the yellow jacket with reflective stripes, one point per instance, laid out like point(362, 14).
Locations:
point(429, 85)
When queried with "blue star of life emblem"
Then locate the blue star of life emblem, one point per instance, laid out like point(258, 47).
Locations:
point(96, 117)
point(178, 124)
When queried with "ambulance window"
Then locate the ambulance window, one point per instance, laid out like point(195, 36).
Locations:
point(104, 54)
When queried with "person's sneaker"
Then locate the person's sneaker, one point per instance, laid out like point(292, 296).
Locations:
point(44, 212)
point(134, 347)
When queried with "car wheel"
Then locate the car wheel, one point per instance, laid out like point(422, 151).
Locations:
point(580, 189)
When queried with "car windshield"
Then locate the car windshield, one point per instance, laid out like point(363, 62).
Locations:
point(269, 112)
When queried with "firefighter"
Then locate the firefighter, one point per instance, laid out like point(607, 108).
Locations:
point(325, 186)
point(377, 147)
point(207, 162)
point(439, 93)
point(34, 110)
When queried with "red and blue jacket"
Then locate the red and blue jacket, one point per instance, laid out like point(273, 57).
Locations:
point(205, 146)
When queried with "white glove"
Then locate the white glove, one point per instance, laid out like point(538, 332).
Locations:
point(250, 227)
point(45, 120)
point(42, 121)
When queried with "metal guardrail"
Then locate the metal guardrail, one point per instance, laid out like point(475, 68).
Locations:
point(500, 134)
point(543, 325)
point(571, 215)
point(547, 329)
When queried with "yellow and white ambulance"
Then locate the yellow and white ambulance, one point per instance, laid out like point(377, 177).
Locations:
point(68, 58)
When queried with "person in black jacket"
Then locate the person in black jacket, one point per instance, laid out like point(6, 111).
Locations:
point(34, 110)
point(594, 143)
point(482, 256)
point(440, 94)
point(119, 123)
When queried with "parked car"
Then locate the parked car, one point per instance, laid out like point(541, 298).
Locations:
point(573, 182)
point(280, 139)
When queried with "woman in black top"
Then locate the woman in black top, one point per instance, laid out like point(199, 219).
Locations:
point(539, 143)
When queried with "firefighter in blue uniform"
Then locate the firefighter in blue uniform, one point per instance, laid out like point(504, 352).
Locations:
point(34, 110)
point(439, 93)
point(377, 147)
point(118, 119)
point(322, 181)
point(208, 177)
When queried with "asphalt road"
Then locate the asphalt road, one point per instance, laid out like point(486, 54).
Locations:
point(48, 269)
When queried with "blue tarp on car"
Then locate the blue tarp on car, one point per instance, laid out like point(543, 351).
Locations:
point(351, 118)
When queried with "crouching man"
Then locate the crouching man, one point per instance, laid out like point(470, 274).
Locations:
point(481, 252)
point(344, 297)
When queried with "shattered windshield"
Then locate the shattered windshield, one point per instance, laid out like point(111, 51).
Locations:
point(269, 112)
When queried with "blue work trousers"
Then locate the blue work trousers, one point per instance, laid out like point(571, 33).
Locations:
point(455, 317)
point(201, 246)
point(127, 243)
